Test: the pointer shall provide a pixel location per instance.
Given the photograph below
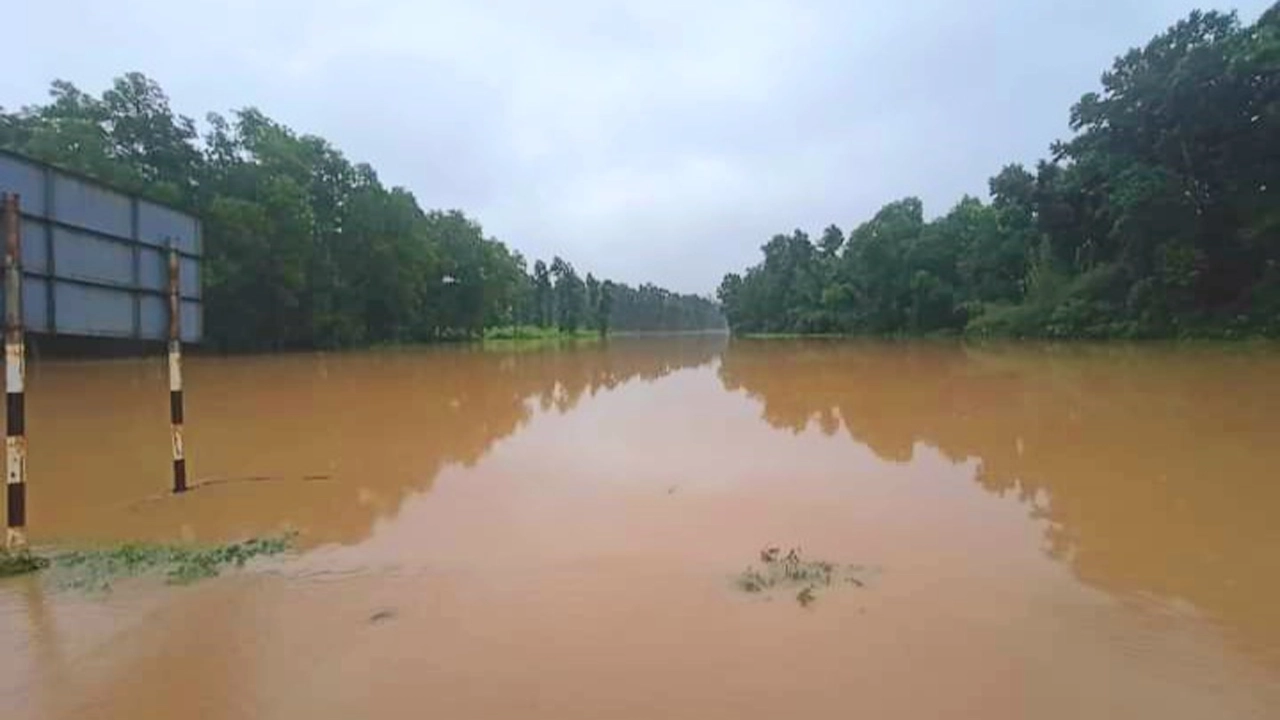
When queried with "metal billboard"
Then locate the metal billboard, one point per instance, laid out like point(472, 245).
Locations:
point(95, 260)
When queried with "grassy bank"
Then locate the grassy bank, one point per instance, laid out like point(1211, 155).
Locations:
point(788, 336)
point(533, 332)
point(934, 335)
point(529, 336)
point(997, 333)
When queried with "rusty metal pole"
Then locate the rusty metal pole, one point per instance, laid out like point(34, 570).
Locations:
point(175, 375)
point(15, 442)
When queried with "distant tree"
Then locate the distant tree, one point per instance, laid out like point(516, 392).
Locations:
point(592, 298)
point(653, 309)
point(604, 307)
point(303, 248)
point(592, 292)
point(832, 241)
point(570, 295)
point(543, 298)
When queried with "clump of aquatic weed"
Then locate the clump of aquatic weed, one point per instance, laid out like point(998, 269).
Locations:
point(20, 562)
point(94, 570)
point(791, 571)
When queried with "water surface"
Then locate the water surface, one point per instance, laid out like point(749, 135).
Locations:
point(1078, 531)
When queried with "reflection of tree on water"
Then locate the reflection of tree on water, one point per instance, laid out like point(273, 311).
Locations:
point(568, 376)
point(343, 438)
point(1151, 468)
point(378, 426)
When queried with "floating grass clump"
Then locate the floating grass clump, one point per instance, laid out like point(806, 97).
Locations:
point(97, 569)
point(793, 571)
point(20, 563)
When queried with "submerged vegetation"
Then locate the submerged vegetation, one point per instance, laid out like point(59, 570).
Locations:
point(1160, 217)
point(20, 563)
point(95, 570)
point(793, 571)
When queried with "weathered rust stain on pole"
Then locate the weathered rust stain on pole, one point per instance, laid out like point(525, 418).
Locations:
point(175, 376)
point(15, 442)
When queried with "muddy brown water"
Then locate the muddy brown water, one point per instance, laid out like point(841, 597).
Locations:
point(1063, 532)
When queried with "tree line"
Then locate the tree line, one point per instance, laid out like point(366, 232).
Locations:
point(1159, 217)
point(304, 248)
point(555, 296)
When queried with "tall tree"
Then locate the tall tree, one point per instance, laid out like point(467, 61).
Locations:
point(303, 248)
point(543, 298)
point(1159, 216)
point(604, 307)
point(570, 295)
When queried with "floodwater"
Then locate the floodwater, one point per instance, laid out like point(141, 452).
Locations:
point(1061, 532)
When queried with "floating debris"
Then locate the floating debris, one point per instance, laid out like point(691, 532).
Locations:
point(382, 616)
point(792, 570)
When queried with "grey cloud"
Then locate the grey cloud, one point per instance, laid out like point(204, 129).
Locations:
point(661, 141)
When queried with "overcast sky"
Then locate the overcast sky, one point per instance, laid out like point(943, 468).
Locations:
point(653, 140)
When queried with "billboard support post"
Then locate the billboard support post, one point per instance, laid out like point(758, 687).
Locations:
point(175, 376)
point(15, 441)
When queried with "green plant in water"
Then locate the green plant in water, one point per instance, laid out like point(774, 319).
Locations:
point(96, 569)
point(20, 563)
point(792, 570)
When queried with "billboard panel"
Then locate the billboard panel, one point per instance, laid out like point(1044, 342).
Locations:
point(94, 259)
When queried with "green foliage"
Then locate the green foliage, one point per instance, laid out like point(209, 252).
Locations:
point(97, 569)
point(303, 247)
point(792, 570)
point(20, 562)
point(545, 308)
point(604, 307)
point(651, 308)
point(570, 295)
point(535, 333)
point(1159, 217)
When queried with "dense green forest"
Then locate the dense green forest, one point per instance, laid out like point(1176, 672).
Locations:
point(1160, 217)
point(307, 249)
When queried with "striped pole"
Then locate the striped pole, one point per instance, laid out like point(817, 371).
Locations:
point(175, 376)
point(15, 442)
